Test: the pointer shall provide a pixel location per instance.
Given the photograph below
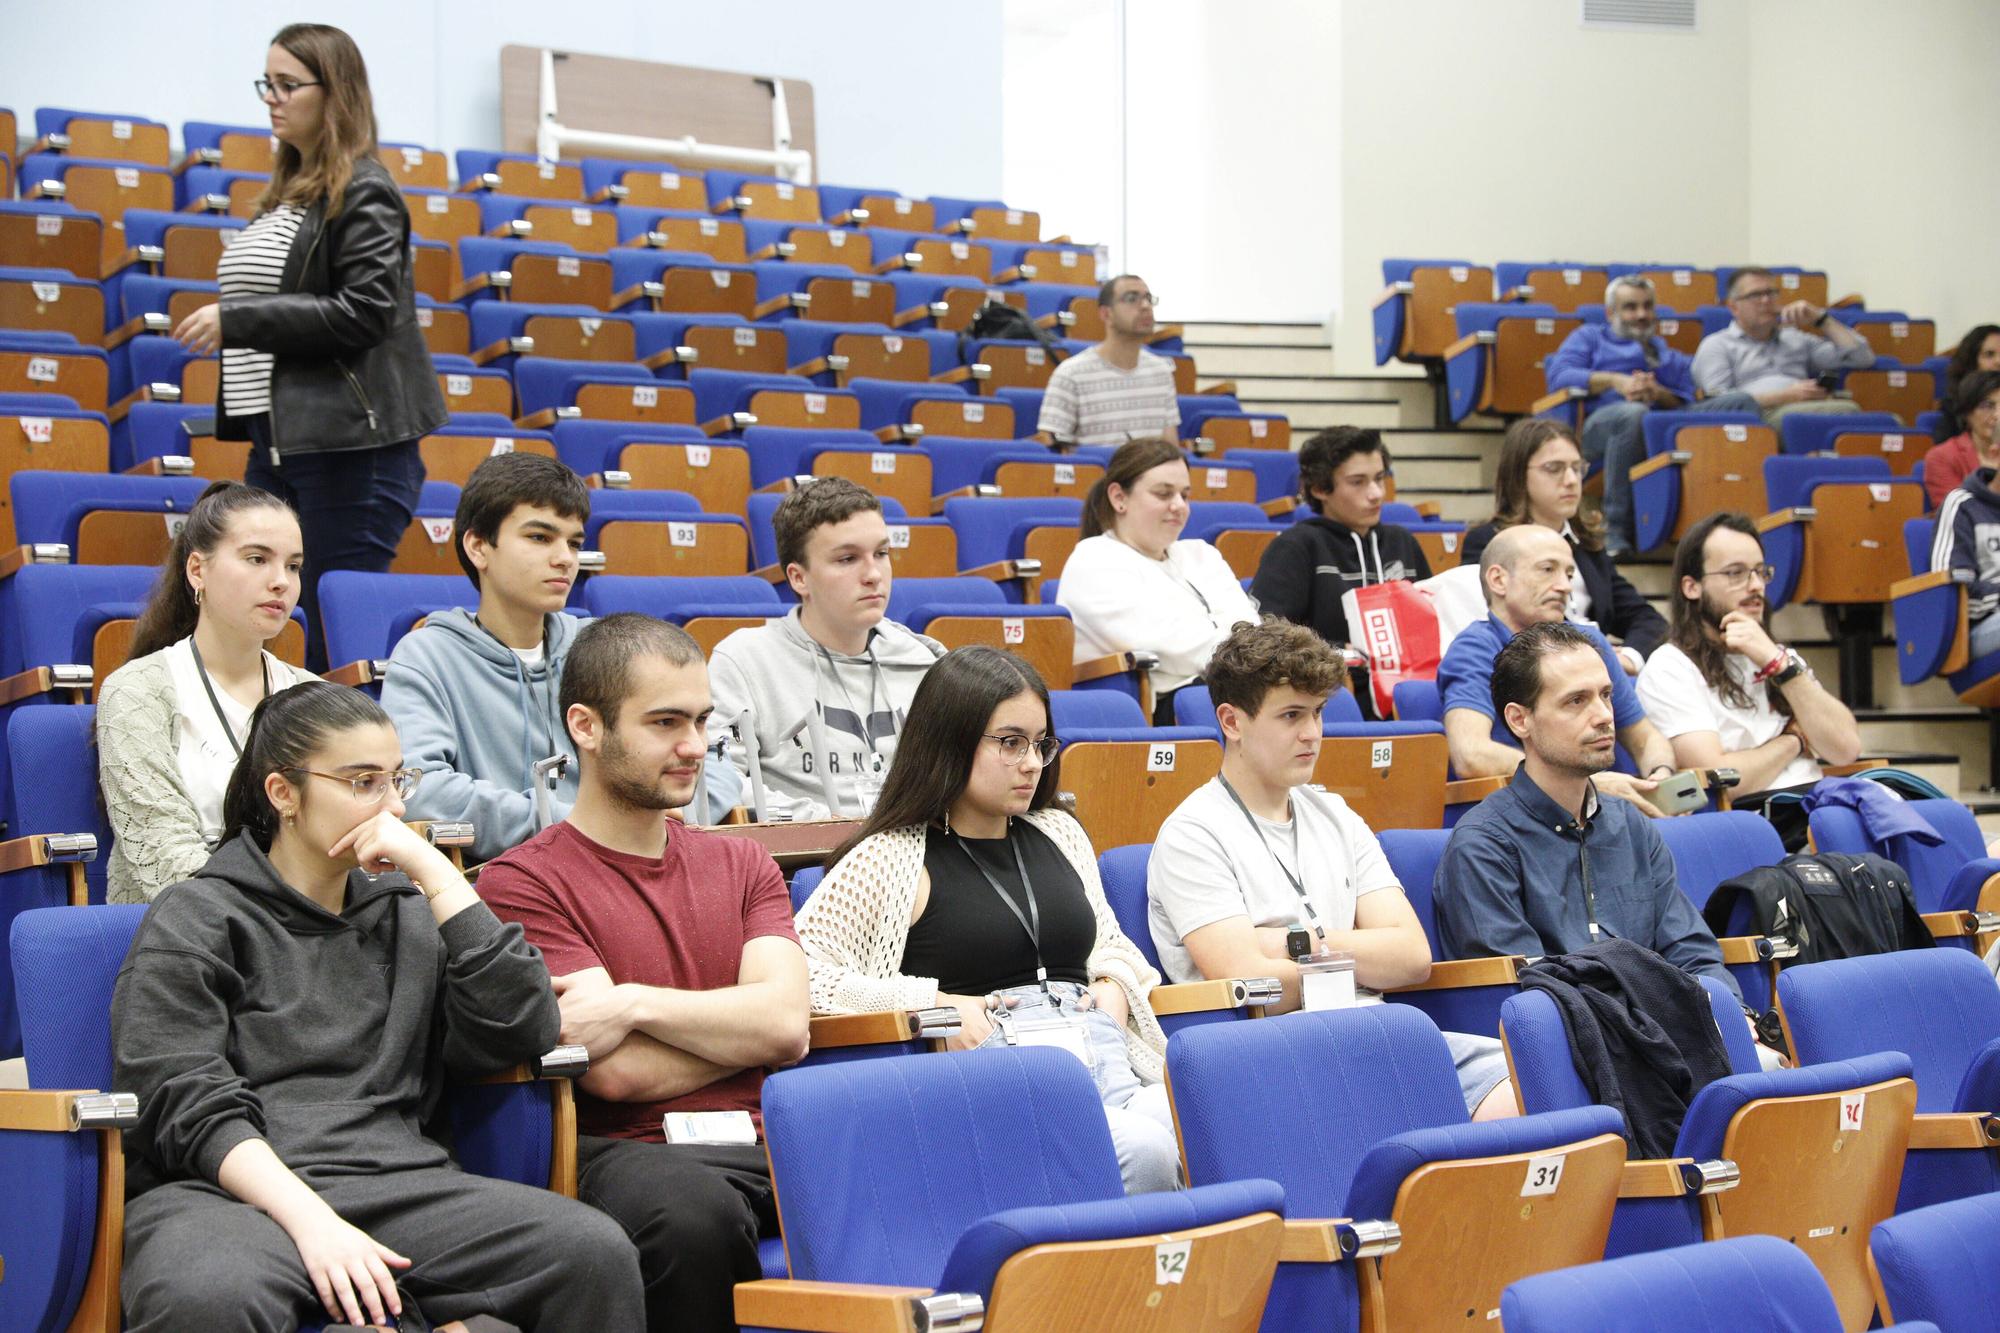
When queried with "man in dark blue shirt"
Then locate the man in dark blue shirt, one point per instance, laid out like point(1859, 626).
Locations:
point(1544, 866)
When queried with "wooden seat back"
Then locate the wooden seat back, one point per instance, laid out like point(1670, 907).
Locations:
point(1243, 548)
point(429, 545)
point(719, 238)
point(125, 536)
point(1853, 546)
point(120, 141)
point(476, 393)
point(51, 370)
point(752, 348)
point(901, 474)
point(663, 187)
point(674, 547)
point(1682, 289)
point(779, 201)
point(1435, 292)
point(922, 552)
point(49, 444)
point(1907, 340)
point(708, 631)
point(420, 168)
point(111, 648)
point(574, 338)
point(851, 300)
point(1442, 550)
point(434, 272)
point(53, 240)
point(1906, 393)
point(708, 291)
point(540, 180)
point(1051, 545)
point(1047, 643)
point(444, 217)
point(1724, 471)
point(447, 329)
point(955, 259)
point(883, 357)
point(561, 280)
point(1514, 376)
point(590, 230)
point(1125, 790)
point(1247, 433)
point(1901, 450)
point(806, 409)
point(452, 458)
point(843, 248)
point(719, 478)
point(1101, 1284)
point(1017, 367)
point(967, 420)
point(659, 404)
point(1390, 781)
point(1018, 479)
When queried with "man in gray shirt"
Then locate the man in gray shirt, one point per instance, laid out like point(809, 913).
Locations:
point(1767, 352)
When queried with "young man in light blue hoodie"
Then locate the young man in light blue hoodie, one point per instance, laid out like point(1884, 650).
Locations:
point(474, 694)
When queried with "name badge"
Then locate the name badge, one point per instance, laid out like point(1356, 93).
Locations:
point(710, 1127)
point(1062, 1035)
point(1326, 982)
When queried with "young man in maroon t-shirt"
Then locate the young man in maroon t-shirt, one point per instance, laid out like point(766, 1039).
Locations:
point(675, 964)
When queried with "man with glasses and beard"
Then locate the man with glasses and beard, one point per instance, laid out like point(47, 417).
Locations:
point(1628, 370)
point(1117, 390)
point(1724, 692)
point(675, 964)
point(1771, 352)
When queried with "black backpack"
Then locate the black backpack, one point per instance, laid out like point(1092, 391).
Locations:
point(997, 319)
point(1828, 904)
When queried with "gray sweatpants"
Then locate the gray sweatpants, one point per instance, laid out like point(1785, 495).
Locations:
point(197, 1258)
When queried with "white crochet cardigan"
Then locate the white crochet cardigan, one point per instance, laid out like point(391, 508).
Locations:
point(856, 922)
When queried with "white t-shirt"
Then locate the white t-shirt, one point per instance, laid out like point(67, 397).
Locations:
point(1679, 701)
point(1180, 607)
point(204, 754)
point(1206, 867)
point(1091, 401)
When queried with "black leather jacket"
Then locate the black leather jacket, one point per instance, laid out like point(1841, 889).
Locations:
point(351, 370)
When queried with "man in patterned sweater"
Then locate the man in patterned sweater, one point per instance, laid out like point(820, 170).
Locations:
point(1117, 390)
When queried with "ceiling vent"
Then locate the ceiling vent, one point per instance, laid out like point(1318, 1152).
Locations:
point(1665, 15)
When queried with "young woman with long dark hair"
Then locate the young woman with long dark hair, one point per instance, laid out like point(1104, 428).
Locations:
point(968, 887)
point(324, 370)
point(288, 1017)
point(171, 721)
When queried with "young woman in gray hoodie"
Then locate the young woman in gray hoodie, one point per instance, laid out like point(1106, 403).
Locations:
point(288, 1018)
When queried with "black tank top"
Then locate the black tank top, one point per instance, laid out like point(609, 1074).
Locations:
point(971, 942)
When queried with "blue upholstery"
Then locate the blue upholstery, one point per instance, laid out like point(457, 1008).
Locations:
point(907, 597)
point(542, 382)
point(1414, 854)
point(857, 1151)
point(41, 605)
point(680, 599)
point(600, 173)
point(1938, 1263)
point(1418, 701)
point(1748, 1282)
point(493, 321)
point(589, 447)
point(778, 452)
point(48, 506)
point(1945, 877)
point(1809, 432)
point(1789, 481)
point(644, 507)
point(891, 402)
point(52, 763)
point(804, 880)
point(1711, 847)
point(719, 392)
point(1465, 374)
point(366, 614)
point(1707, 1123)
point(1122, 870)
point(1073, 710)
point(993, 529)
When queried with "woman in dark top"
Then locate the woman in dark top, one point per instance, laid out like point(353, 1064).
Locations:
point(1540, 480)
point(324, 371)
point(966, 887)
point(287, 1018)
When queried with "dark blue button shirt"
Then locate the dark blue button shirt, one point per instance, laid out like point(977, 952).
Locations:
point(1521, 875)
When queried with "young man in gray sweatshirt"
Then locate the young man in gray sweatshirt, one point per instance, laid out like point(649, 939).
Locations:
point(828, 687)
point(474, 693)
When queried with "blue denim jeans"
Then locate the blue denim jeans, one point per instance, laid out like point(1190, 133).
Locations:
point(1142, 1123)
point(353, 508)
point(1617, 434)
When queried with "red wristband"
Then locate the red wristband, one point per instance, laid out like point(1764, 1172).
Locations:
point(1771, 668)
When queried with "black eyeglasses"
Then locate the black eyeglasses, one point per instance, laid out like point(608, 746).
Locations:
point(280, 90)
point(1015, 748)
point(1738, 575)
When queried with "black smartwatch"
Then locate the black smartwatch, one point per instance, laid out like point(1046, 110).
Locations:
point(1298, 943)
point(1824, 316)
point(1794, 664)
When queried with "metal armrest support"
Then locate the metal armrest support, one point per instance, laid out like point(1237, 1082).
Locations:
point(1337, 1240)
point(64, 678)
point(1759, 948)
point(884, 1027)
point(366, 671)
point(67, 1112)
point(46, 849)
point(1224, 993)
point(1955, 1130)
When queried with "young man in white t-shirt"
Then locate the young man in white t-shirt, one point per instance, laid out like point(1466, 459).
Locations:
point(1257, 853)
point(1117, 390)
point(1721, 690)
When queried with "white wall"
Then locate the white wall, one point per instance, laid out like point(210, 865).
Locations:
point(906, 98)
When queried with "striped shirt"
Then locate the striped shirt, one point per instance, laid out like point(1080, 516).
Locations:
point(1091, 401)
point(252, 265)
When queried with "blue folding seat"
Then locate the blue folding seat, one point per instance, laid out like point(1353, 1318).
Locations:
point(681, 599)
point(152, 367)
point(990, 531)
point(1838, 518)
point(532, 271)
point(550, 389)
point(825, 292)
point(1568, 287)
point(1015, 468)
point(108, 134)
point(1891, 333)
point(778, 453)
point(1906, 392)
point(150, 304)
point(239, 147)
point(890, 407)
point(996, 1238)
point(1413, 313)
point(1358, 1113)
point(53, 300)
point(1698, 463)
point(681, 282)
point(683, 230)
point(728, 401)
point(1775, 1127)
point(943, 256)
point(807, 243)
point(830, 354)
point(50, 233)
point(1717, 1287)
point(942, 301)
point(215, 190)
point(1027, 405)
point(54, 363)
point(518, 173)
point(152, 433)
point(670, 344)
point(1496, 364)
point(1713, 847)
point(1859, 435)
point(1054, 306)
point(588, 229)
point(593, 448)
point(48, 431)
point(1938, 1008)
point(753, 194)
point(104, 519)
point(1931, 637)
point(366, 615)
point(640, 185)
point(504, 330)
point(840, 204)
point(469, 386)
point(1954, 875)
point(1936, 1264)
point(1221, 420)
point(453, 451)
point(1018, 261)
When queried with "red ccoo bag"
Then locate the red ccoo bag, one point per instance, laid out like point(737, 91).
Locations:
point(1396, 628)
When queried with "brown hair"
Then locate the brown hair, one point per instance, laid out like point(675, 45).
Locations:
point(1257, 658)
point(346, 127)
point(1110, 288)
point(1325, 453)
point(1687, 628)
point(1748, 271)
point(598, 671)
point(171, 612)
point(1523, 441)
point(813, 506)
point(1133, 460)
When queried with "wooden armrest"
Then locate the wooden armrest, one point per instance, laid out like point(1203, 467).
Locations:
point(1467, 791)
point(1428, 509)
point(1281, 506)
point(1226, 388)
point(1953, 1129)
point(1311, 1240)
point(162, 465)
point(771, 574)
point(1468, 342)
point(884, 1027)
point(1097, 668)
point(132, 328)
point(772, 306)
point(902, 319)
point(1656, 463)
point(956, 375)
point(478, 282)
point(1556, 399)
point(44, 680)
point(827, 1307)
point(1738, 949)
point(542, 420)
point(364, 672)
point(1204, 997)
point(1391, 292)
point(493, 351)
point(41, 849)
point(1771, 522)
point(963, 492)
point(1654, 1178)
point(671, 356)
point(997, 571)
point(1463, 973)
point(1937, 578)
point(725, 423)
point(1951, 925)
point(43, 1111)
point(909, 432)
point(819, 365)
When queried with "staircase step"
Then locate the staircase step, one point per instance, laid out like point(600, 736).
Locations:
point(1235, 360)
point(1209, 333)
point(1959, 729)
point(1308, 415)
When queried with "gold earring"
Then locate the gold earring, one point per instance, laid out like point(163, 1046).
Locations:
point(197, 594)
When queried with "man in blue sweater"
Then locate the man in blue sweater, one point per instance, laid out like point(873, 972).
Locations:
point(1628, 370)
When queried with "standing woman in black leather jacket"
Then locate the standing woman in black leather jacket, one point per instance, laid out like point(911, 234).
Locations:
point(323, 368)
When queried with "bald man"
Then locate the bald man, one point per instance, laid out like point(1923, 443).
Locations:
point(1526, 572)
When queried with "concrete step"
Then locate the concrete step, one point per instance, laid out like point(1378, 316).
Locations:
point(1467, 505)
point(1428, 442)
point(1269, 384)
point(1420, 475)
point(1309, 415)
point(1957, 730)
point(1212, 332)
point(1939, 769)
point(1233, 361)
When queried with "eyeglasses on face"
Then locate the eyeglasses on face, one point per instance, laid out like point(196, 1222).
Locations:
point(1761, 294)
point(1016, 747)
point(1735, 576)
point(371, 787)
point(1557, 469)
point(1136, 298)
point(280, 90)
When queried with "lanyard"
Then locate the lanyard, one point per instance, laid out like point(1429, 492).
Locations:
point(1312, 913)
point(216, 703)
point(1031, 921)
point(874, 685)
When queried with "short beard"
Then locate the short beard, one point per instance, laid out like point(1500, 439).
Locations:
point(623, 784)
point(1713, 619)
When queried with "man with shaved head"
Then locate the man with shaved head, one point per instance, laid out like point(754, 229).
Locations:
point(1526, 571)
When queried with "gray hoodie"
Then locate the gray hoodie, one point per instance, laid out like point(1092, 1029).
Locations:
point(245, 1010)
point(475, 718)
point(826, 724)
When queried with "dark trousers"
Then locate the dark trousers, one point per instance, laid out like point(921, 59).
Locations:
point(694, 1212)
point(197, 1258)
point(353, 508)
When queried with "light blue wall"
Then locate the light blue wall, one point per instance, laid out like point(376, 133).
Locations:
point(907, 96)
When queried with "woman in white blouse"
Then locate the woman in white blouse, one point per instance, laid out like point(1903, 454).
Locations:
point(1133, 585)
point(171, 721)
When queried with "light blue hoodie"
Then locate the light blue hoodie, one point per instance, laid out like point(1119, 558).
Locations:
point(475, 718)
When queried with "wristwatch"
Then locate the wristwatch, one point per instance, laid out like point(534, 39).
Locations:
point(1824, 316)
point(1794, 664)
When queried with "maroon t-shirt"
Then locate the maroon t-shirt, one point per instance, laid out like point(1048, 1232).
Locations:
point(679, 922)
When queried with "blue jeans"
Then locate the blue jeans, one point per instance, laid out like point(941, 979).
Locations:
point(1984, 636)
point(1142, 1123)
point(353, 508)
point(1617, 434)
